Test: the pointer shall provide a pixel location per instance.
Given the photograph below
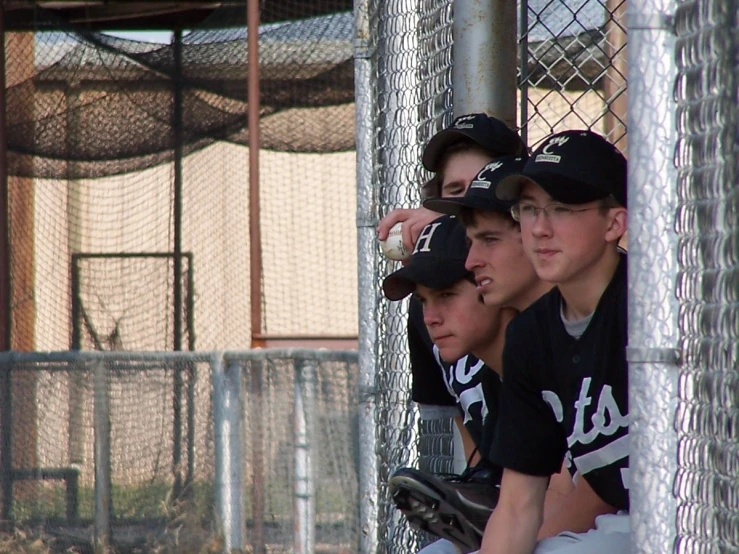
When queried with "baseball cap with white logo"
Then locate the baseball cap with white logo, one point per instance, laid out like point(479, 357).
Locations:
point(480, 194)
point(437, 261)
point(486, 131)
point(573, 167)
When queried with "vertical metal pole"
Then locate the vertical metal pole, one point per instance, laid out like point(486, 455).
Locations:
point(177, 261)
point(484, 71)
point(177, 130)
point(304, 539)
point(257, 375)
point(6, 463)
point(101, 425)
point(252, 105)
point(191, 373)
point(75, 438)
point(653, 305)
point(523, 56)
point(227, 427)
point(255, 262)
point(366, 104)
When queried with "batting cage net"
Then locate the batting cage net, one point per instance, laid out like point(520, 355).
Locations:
point(119, 148)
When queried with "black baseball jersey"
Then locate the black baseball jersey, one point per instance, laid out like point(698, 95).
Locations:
point(427, 386)
point(476, 388)
point(564, 396)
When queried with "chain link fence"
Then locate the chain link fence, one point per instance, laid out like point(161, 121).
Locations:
point(707, 223)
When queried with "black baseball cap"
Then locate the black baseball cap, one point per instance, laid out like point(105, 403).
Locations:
point(480, 194)
point(573, 167)
point(437, 261)
point(488, 132)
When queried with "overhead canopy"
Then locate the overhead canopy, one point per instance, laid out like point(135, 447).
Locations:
point(104, 105)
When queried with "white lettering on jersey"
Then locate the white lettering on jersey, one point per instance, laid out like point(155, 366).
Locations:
point(607, 410)
point(605, 456)
point(472, 396)
point(459, 373)
point(423, 244)
point(553, 400)
point(606, 420)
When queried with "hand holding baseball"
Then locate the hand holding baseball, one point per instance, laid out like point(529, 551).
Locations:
point(393, 246)
point(413, 220)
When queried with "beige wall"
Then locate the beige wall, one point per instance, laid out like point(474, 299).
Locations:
point(309, 248)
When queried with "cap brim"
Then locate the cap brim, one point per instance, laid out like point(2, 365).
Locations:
point(454, 206)
point(509, 188)
point(438, 143)
point(567, 191)
point(451, 206)
point(434, 274)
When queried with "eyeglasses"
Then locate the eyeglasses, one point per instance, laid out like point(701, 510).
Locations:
point(527, 213)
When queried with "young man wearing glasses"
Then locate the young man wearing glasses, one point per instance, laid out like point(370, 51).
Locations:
point(564, 394)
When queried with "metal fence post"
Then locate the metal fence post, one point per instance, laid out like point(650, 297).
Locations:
point(484, 51)
point(101, 423)
point(305, 443)
point(366, 102)
point(6, 440)
point(653, 306)
point(227, 428)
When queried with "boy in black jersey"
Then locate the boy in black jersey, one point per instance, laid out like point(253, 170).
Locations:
point(564, 394)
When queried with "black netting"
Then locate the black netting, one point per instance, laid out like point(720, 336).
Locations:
point(86, 104)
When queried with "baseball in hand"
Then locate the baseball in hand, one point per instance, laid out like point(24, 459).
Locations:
point(393, 247)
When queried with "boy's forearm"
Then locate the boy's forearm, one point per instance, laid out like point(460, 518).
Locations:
point(510, 533)
point(576, 512)
point(513, 526)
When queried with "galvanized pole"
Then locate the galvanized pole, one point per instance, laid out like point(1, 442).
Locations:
point(484, 52)
point(653, 306)
point(304, 493)
point(177, 140)
point(101, 425)
point(228, 484)
point(365, 107)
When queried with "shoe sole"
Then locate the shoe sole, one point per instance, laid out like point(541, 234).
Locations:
point(426, 510)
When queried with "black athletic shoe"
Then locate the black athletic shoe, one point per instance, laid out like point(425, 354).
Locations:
point(455, 508)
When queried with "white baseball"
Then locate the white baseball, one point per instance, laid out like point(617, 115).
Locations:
point(393, 247)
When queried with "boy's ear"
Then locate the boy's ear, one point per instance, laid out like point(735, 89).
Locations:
point(617, 218)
